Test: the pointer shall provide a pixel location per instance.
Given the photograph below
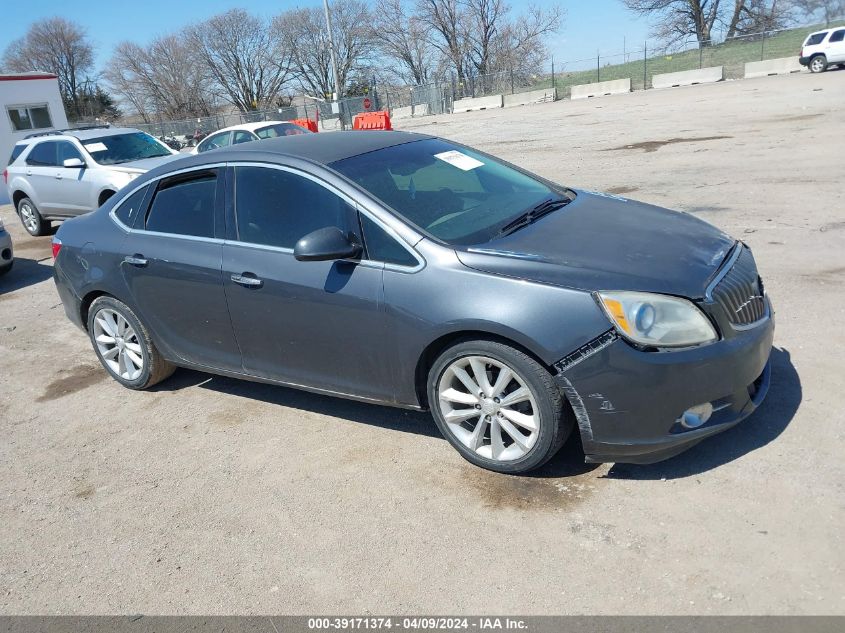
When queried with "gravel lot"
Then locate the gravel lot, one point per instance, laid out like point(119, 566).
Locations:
point(210, 495)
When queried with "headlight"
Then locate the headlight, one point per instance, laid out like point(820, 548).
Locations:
point(657, 320)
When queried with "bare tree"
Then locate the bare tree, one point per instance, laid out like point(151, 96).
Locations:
point(678, 19)
point(58, 46)
point(481, 36)
point(756, 16)
point(242, 57)
point(302, 32)
point(166, 78)
point(828, 10)
point(403, 37)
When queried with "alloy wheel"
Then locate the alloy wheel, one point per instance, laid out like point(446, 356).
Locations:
point(118, 344)
point(489, 408)
point(28, 217)
point(817, 64)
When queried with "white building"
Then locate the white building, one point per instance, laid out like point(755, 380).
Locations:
point(29, 103)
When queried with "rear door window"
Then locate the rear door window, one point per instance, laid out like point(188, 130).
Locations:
point(185, 205)
point(838, 36)
point(43, 155)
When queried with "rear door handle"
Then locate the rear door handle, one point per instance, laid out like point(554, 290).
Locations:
point(135, 260)
point(248, 279)
point(59, 175)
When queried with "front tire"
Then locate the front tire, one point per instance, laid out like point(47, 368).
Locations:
point(31, 218)
point(818, 64)
point(497, 406)
point(124, 346)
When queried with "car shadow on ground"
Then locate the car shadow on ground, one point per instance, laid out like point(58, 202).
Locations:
point(389, 418)
point(568, 462)
point(762, 427)
point(25, 272)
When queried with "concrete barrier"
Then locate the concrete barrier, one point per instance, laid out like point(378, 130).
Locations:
point(780, 66)
point(532, 96)
point(477, 103)
point(421, 109)
point(600, 89)
point(689, 77)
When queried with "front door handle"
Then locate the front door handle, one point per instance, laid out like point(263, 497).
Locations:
point(248, 280)
point(59, 176)
point(135, 260)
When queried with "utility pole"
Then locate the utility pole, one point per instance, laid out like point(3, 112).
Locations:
point(337, 87)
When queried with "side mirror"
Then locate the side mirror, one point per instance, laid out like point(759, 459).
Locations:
point(326, 244)
point(75, 163)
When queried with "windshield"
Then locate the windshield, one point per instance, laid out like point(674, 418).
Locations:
point(280, 129)
point(123, 148)
point(457, 195)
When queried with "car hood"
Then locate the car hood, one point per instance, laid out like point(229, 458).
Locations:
point(143, 165)
point(604, 242)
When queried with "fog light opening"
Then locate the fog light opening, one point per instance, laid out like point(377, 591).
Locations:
point(695, 416)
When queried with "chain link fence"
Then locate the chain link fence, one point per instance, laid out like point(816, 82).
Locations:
point(438, 96)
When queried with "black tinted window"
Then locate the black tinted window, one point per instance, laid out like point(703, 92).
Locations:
point(17, 150)
point(43, 155)
point(67, 150)
point(128, 210)
point(277, 208)
point(837, 36)
point(815, 39)
point(184, 206)
point(381, 247)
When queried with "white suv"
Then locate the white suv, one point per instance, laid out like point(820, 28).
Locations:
point(64, 173)
point(823, 49)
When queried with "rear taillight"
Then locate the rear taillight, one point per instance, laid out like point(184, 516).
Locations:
point(6, 176)
point(57, 246)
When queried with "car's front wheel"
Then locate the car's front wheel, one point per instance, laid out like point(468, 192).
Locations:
point(818, 64)
point(497, 406)
point(32, 221)
point(124, 346)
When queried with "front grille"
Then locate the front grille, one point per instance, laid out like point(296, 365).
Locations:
point(740, 291)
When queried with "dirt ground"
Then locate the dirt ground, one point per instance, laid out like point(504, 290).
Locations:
point(210, 495)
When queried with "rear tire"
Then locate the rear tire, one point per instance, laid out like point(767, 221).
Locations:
point(513, 422)
point(123, 345)
point(31, 218)
point(818, 64)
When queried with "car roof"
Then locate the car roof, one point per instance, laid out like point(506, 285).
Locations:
point(251, 126)
point(82, 134)
point(323, 148)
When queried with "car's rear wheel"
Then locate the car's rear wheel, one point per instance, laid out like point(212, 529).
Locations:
point(497, 406)
point(818, 64)
point(31, 218)
point(124, 346)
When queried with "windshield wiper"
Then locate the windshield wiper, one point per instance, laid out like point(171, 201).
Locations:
point(533, 214)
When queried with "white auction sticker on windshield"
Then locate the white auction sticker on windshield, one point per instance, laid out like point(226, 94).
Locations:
point(459, 160)
point(96, 147)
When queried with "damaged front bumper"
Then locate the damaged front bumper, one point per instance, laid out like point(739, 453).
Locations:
point(628, 402)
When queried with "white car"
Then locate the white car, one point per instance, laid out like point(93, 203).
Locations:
point(823, 49)
point(64, 173)
point(247, 132)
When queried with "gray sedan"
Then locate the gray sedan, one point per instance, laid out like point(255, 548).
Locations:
point(411, 271)
point(7, 255)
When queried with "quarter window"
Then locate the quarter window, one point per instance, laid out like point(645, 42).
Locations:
point(29, 117)
point(216, 140)
point(381, 247)
point(17, 150)
point(185, 205)
point(814, 39)
point(128, 210)
point(43, 155)
point(277, 208)
point(242, 136)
